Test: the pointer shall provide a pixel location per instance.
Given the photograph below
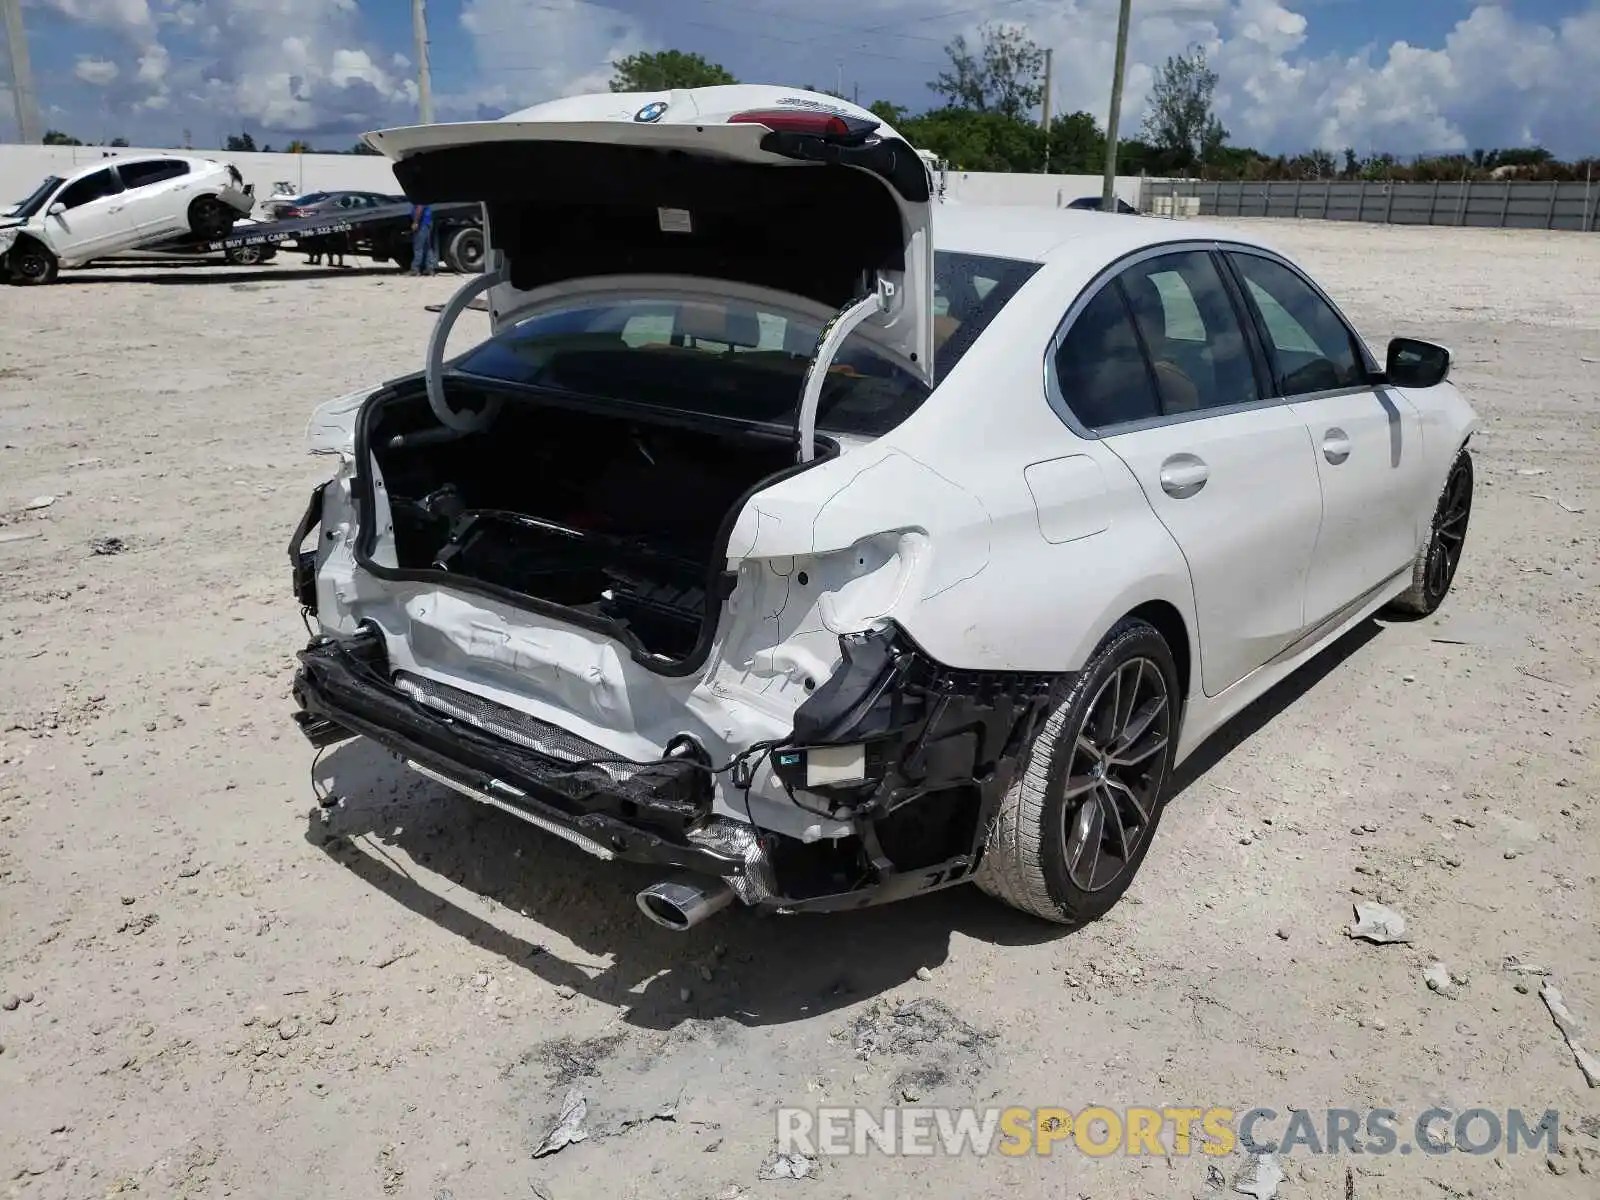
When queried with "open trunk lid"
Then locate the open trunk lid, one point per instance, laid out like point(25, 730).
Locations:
point(768, 187)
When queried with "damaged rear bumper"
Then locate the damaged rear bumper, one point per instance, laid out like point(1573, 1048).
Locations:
point(913, 756)
point(343, 690)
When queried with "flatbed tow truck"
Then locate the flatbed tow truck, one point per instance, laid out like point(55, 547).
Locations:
point(381, 234)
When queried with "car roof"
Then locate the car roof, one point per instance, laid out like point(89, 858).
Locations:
point(121, 160)
point(1046, 235)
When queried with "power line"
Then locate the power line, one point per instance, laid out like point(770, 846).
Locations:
point(746, 32)
point(942, 16)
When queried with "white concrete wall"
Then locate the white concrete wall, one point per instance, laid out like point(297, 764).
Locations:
point(22, 167)
point(1047, 191)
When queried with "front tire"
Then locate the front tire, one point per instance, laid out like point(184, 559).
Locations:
point(246, 256)
point(1075, 825)
point(1435, 567)
point(29, 263)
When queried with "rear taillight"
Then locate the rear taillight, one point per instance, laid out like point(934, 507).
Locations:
point(816, 122)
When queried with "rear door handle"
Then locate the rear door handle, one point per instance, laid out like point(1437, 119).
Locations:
point(1336, 446)
point(1183, 475)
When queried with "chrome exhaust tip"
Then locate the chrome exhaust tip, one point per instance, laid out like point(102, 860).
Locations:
point(682, 903)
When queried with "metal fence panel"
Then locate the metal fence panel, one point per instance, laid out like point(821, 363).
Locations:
point(1492, 204)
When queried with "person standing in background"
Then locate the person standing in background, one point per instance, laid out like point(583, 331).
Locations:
point(424, 257)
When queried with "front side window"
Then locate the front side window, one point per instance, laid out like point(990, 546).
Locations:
point(143, 174)
point(719, 357)
point(1312, 349)
point(89, 188)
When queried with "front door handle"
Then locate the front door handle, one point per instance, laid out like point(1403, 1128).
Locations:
point(1183, 475)
point(1336, 446)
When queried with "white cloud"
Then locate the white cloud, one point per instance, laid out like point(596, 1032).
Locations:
point(1492, 79)
point(529, 53)
point(96, 71)
point(303, 67)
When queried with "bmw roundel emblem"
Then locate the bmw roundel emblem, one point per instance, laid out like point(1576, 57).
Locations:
point(651, 112)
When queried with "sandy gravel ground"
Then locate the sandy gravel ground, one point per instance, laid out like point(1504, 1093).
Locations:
point(218, 997)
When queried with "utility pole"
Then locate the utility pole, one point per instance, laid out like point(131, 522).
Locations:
point(419, 34)
point(1108, 194)
point(1049, 74)
point(22, 96)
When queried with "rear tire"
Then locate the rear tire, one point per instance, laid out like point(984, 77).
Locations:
point(30, 263)
point(400, 251)
point(1076, 823)
point(1436, 563)
point(247, 256)
point(210, 218)
point(464, 251)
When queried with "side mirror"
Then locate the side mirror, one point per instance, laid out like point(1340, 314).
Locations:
point(1417, 364)
point(56, 209)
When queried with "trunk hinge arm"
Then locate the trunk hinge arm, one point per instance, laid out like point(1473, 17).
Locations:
point(433, 374)
point(828, 342)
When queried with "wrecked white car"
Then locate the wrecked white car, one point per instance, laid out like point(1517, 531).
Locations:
point(827, 546)
point(118, 205)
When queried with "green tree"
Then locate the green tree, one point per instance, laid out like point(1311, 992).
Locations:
point(1005, 74)
point(665, 70)
point(119, 142)
point(977, 141)
point(893, 114)
point(54, 137)
point(241, 143)
point(362, 148)
point(298, 147)
point(1077, 144)
point(1182, 120)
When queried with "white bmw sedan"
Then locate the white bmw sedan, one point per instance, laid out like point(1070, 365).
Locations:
point(826, 545)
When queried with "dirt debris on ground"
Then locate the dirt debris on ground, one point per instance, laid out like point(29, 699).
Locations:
point(175, 1044)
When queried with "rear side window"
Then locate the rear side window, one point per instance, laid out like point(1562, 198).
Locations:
point(1191, 331)
point(968, 290)
point(143, 174)
point(1100, 367)
point(1311, 347)
point(89, 188)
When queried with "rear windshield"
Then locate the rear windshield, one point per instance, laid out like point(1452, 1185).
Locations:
point(740, 359)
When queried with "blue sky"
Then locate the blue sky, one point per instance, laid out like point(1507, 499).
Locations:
point(1407, 76)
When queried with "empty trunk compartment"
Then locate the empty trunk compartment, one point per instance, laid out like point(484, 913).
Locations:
point(613, 521)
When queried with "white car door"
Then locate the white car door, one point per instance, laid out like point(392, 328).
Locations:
point(91, 218)
point(1157, 366)
point(1367, 438)
point(156, 195)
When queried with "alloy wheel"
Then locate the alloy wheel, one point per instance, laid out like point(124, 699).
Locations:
point(1117, 767)
point(1449, 530)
